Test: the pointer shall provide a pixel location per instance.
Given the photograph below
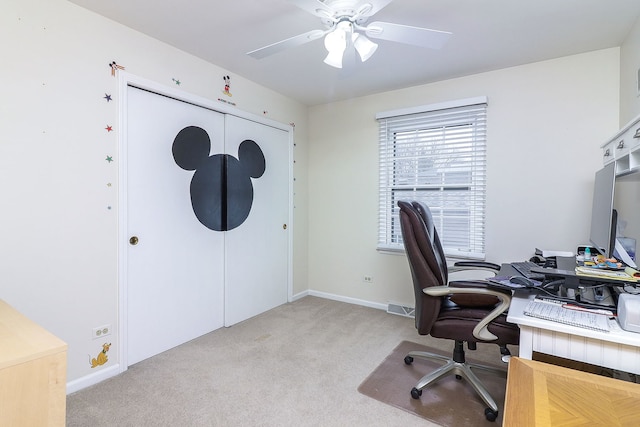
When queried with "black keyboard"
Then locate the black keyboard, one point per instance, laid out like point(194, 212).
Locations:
point(524, 268)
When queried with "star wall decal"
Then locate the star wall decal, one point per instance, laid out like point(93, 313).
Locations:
point(107, 97)
point(109, 159)
point(176, 81)
point(109, 128)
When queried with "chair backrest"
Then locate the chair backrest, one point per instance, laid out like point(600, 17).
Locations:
point(424, 265)
point(427, 217)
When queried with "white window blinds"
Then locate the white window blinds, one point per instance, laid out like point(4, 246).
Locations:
point(436, 154)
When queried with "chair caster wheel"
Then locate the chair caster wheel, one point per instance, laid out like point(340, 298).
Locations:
point(490, 414)
point(408, 360)
point(415, 393)
point(458, 377)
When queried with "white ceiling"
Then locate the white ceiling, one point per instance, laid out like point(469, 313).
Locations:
point(487, 35)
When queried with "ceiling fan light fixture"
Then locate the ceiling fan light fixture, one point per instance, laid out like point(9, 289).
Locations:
point(335, 42)
point(365, 47)
point(334, 59)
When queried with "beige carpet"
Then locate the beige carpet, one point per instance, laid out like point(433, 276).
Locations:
point(448, 402)
point(299, 364)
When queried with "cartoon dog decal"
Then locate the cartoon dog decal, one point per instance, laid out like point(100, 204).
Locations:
point(102, 356)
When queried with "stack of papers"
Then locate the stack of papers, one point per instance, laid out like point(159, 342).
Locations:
point(561, 313)
point(626, 275)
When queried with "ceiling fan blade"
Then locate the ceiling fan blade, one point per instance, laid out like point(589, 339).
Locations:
point(294, 41)
point(363, 8)
point(377, 5)
point(314, 7)
point(416, 36)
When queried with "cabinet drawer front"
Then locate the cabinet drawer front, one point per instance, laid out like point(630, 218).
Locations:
point(632, 136)
point(608, 153)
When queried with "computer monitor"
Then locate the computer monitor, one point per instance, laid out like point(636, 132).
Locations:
point(603, 217)
point(626, 202)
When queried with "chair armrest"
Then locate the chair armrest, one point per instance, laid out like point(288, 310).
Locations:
point(481, 331)
point(474, 265)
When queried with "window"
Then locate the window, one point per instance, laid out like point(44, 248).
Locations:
point(436, 154)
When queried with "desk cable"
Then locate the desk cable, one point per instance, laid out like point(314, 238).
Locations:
point(626, 286)
point(570, 300)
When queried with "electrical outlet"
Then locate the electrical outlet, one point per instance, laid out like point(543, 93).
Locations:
point(367, 279)
point(101, 331)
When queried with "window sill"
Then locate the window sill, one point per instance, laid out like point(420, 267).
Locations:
point(390, 250)
point(451, 258)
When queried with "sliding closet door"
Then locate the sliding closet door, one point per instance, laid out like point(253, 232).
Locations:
point(256, 259)
point(174, 262)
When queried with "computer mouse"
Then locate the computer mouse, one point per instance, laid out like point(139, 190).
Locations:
point(598, 293)
point(520, 280)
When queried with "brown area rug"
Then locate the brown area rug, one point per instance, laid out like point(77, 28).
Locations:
point(448, 402)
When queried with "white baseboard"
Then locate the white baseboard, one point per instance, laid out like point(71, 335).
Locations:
point(296, 297)
point(91, 379)
point(349, 300)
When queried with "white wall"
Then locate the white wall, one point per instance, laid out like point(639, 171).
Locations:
point(58, 238)
point(545, 124)
point(629, 69)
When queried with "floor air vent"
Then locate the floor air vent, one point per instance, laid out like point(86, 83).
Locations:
point(400, 310)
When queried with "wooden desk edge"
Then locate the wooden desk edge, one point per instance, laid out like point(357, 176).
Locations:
point(527, 396)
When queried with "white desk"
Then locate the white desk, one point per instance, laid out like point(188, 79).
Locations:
point(616, 349)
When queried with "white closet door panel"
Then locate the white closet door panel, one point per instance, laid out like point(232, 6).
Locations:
point(175, 271)
point(256, 260)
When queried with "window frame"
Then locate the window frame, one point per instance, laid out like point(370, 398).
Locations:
point(417, 128)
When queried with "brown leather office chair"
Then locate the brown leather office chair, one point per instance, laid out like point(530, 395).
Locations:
point(462, 311)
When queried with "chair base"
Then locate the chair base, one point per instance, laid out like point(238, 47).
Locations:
point(462, 369)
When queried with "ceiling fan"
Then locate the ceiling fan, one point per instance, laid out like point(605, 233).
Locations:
point(345, 30)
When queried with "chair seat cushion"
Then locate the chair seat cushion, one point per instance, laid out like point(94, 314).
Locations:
point(474, 300)
point(457, 323)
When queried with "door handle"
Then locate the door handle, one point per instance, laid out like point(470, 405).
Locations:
point(133, 240)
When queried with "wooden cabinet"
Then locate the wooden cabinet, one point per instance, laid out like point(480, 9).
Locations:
point(33, 371)
point(624, 148)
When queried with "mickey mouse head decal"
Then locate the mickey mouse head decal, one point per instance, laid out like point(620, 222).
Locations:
point(221, 188)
